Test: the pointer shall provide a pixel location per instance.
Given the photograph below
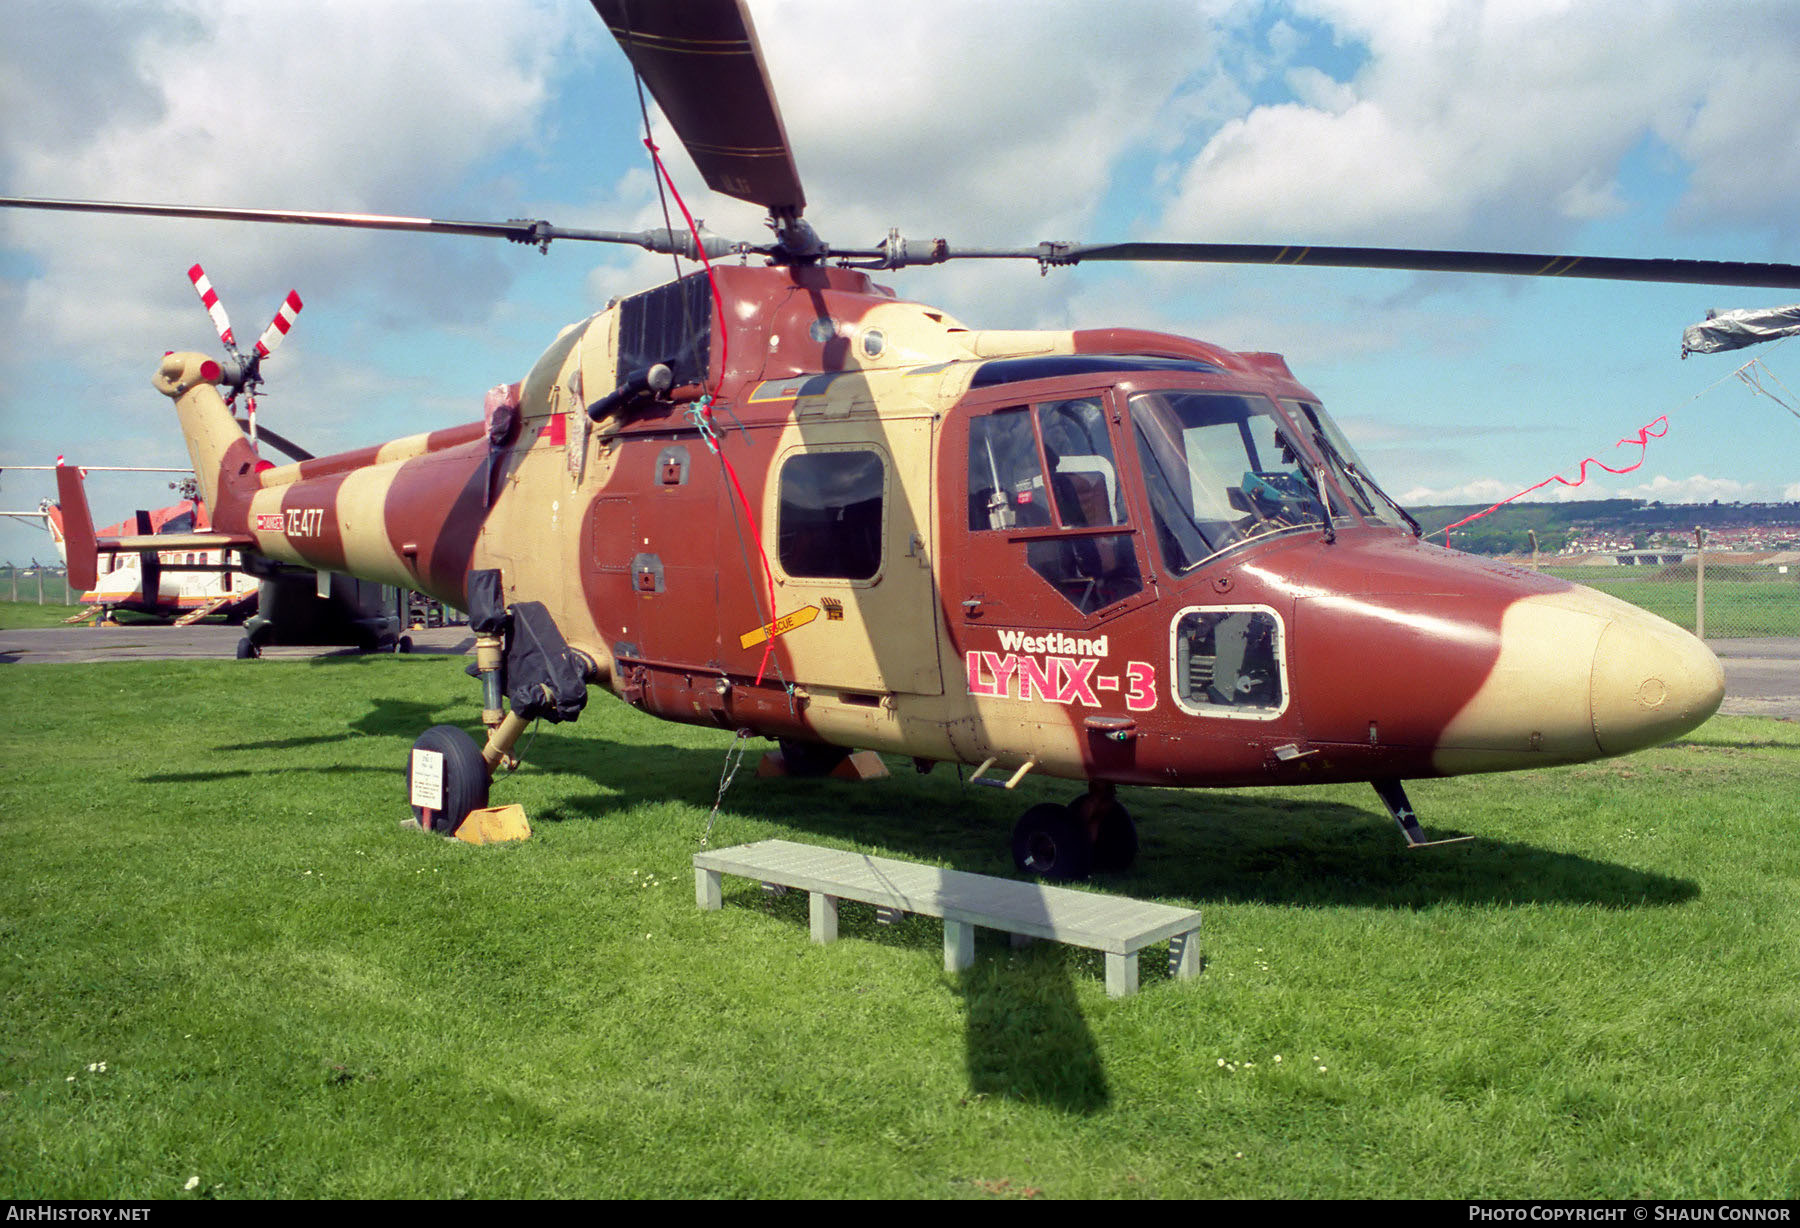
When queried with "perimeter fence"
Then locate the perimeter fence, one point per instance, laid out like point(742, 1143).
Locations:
point(1712, 594)
point(42, 585)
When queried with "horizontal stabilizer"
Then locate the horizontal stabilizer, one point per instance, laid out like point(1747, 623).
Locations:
point(179, 541)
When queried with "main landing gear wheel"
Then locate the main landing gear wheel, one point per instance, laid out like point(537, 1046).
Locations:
point(465, 778)
point(1051, 842)
point(1112, 829)
point(247, 649)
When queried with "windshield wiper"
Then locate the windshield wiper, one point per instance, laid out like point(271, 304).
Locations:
point(1364, 483)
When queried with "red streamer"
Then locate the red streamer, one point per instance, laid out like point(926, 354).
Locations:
point(706, 410)
point(1642, 440)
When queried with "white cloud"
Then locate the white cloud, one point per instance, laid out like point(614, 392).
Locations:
point(1494, 490)
point(969, 120)
point(1510, 119)
point(1480, 490)
point(245, 101)
point(258, 105)
point(1427, 121)
point(1695, 489)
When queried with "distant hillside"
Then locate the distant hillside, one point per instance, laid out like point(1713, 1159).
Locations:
point(1556, 524)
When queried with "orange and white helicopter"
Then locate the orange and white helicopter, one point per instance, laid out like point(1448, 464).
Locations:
point(167, 584)
point(177, 584)
point(779, 498)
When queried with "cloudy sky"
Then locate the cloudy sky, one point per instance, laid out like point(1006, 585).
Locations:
point(1635, 128)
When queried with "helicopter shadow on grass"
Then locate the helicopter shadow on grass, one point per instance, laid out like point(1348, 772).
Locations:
point(351, 655)
point(267, 773)
point(1727, 746)
point(386, 718)
point(1026, 1036)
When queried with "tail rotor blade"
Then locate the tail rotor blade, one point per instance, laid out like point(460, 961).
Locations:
point(278, 327)
point(214, 308)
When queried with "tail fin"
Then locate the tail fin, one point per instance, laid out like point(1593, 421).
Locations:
point(77, 529)
point(225, 464)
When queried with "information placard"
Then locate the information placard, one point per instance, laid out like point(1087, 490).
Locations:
point(428, 779)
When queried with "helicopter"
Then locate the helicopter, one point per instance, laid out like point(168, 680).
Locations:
point(200, 583)
point(780, 499)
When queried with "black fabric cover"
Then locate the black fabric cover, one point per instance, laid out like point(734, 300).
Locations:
point(544, 678)
point(487, 604)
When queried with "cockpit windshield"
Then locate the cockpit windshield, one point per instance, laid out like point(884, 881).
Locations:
point(1221, 469)
point(1372, 501)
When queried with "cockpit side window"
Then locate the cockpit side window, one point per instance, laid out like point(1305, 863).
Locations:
point(1006, 480)
point(1082, 474)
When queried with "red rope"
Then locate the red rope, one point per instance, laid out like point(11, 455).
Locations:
point(1644, 436)
point(706, 410)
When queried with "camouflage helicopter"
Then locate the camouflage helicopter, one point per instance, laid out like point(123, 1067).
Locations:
point(778, 498)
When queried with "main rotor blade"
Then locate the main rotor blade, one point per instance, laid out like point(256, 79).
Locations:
point(518, 230)
point(1519, 264)
point(703, 64)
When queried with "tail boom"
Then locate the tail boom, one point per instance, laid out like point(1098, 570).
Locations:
point(405, 513)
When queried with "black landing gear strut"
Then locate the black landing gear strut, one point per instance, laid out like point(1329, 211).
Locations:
point(1393, 796)
point(521, 659)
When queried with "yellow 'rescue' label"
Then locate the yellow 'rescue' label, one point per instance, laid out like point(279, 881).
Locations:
point(781, 626)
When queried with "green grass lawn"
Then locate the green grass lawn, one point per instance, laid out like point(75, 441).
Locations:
point(205, 888)
point(18, 614)
point(1753, 602)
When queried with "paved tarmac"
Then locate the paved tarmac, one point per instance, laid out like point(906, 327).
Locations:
point(148, 642)
point(1762, 676)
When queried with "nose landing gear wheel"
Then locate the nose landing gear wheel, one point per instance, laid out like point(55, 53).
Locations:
point(1050, 842)
point(465, 776)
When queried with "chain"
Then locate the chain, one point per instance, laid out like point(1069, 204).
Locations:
point(734, 759)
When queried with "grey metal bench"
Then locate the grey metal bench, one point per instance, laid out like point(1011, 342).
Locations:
point(1114, 925)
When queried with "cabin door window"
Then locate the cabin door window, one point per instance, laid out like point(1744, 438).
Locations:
point(1045, 478)
point(830, 520)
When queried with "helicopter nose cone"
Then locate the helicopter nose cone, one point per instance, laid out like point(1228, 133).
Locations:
point(1581, 676)
point(1651, 682)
